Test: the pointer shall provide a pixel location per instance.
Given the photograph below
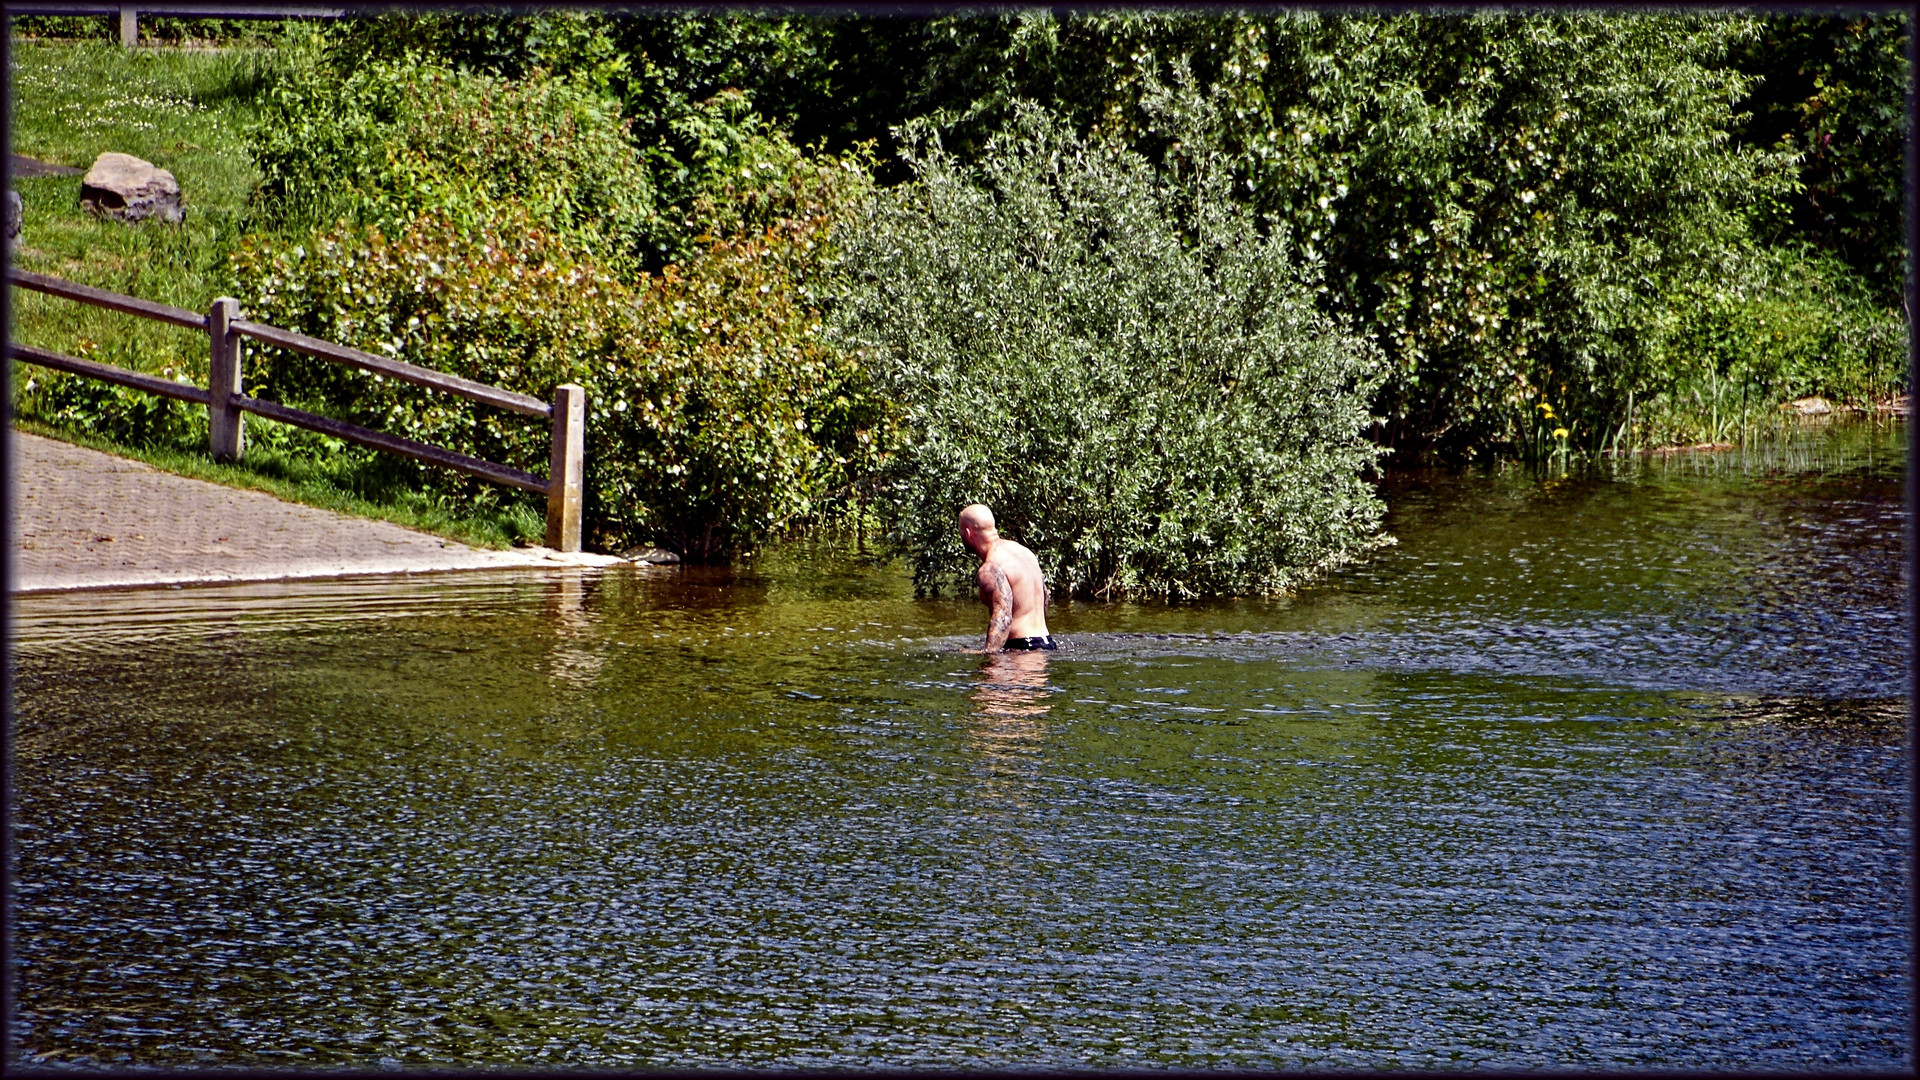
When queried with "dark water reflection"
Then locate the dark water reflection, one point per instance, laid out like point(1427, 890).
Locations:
point(1595, 770)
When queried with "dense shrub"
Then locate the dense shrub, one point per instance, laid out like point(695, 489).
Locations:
point(389, 140)
point(1130, 372)
point(1509, 204)
point(729, 414)
point(1797, 322)
point(733, 173)
point(1832, 88)
point(153, 28)
point(130, 416)
point(717, 412)
point(575, 44)
point(495, 221)
point(499, 304)
point(1790, 321)
point(675, 78)
point(1519, 210)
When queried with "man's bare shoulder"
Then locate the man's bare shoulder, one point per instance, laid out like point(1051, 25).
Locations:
point(991, 575)
point(1016, 565)
point(1014, 551)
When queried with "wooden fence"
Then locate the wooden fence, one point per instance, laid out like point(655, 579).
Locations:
point(225, 400)
point(129, 13)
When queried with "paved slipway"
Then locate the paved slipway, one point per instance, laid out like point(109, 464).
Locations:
point(87, 520)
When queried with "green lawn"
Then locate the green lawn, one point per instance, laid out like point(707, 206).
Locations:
point(184, 110)
point(187, 111)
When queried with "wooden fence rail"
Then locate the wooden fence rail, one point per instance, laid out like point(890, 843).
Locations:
point(129, 13)
point(226, 401)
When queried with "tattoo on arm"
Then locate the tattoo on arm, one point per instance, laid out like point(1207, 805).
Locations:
point(1002, 606)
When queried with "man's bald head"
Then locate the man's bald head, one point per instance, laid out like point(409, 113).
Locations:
point(976, 529)
point(976, 516)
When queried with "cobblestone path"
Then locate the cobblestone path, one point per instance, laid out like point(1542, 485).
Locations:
point(84, 519)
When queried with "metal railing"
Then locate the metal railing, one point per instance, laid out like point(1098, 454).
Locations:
point(225, 401)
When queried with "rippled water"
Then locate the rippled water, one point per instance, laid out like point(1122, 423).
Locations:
point(1600, 769)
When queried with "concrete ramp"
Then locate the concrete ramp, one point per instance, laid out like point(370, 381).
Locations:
point(82, 519)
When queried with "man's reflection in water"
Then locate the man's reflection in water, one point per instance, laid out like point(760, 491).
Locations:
point(572, 659)
point(1013, 686)
point(1009, 702)
point(1005, 735)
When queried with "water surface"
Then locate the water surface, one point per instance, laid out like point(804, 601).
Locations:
point(1590, 770)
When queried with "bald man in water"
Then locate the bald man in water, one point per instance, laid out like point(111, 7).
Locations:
point(1011, 585)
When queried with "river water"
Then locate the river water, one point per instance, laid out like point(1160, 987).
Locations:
point(1592, 769)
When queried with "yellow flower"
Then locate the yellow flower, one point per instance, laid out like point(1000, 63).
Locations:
point(1546, 411)
point(1559, 433)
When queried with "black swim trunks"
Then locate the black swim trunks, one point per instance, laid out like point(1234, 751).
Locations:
point(1022, 644)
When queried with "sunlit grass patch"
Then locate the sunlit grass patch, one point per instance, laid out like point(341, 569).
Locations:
point(185, 111)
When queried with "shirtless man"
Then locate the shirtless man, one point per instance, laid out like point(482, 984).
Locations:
point(1011, 585)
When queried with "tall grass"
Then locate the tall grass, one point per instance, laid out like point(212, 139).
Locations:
point(1791, 322)
point(1780, 445)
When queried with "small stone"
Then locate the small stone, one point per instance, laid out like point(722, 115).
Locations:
point(122, 187)
point(654, 555)
point(14, 212)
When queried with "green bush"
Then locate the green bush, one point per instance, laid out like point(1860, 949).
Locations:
point(730, 416)
point(1131, 372)
point(1514, 206)
point(503, 229)
point(1797, 322)
point(153, 28)
point(378, 141)
point(1507, 203)
point(732, 173)
point(678, 78)
point(1789, 322)
point(1833, 89)
point(717, 412)
point(134, 417)
point(395, 138)
point(570, 43)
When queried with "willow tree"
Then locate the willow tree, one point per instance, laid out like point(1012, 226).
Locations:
point(1124, 363)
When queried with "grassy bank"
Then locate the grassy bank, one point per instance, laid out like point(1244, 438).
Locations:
point(186, 111)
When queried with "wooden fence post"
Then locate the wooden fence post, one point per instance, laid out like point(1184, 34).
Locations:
point(226, 438)
point(565, 479)
point(129, 26)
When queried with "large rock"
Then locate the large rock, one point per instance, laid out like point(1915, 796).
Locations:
point(122, 187)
